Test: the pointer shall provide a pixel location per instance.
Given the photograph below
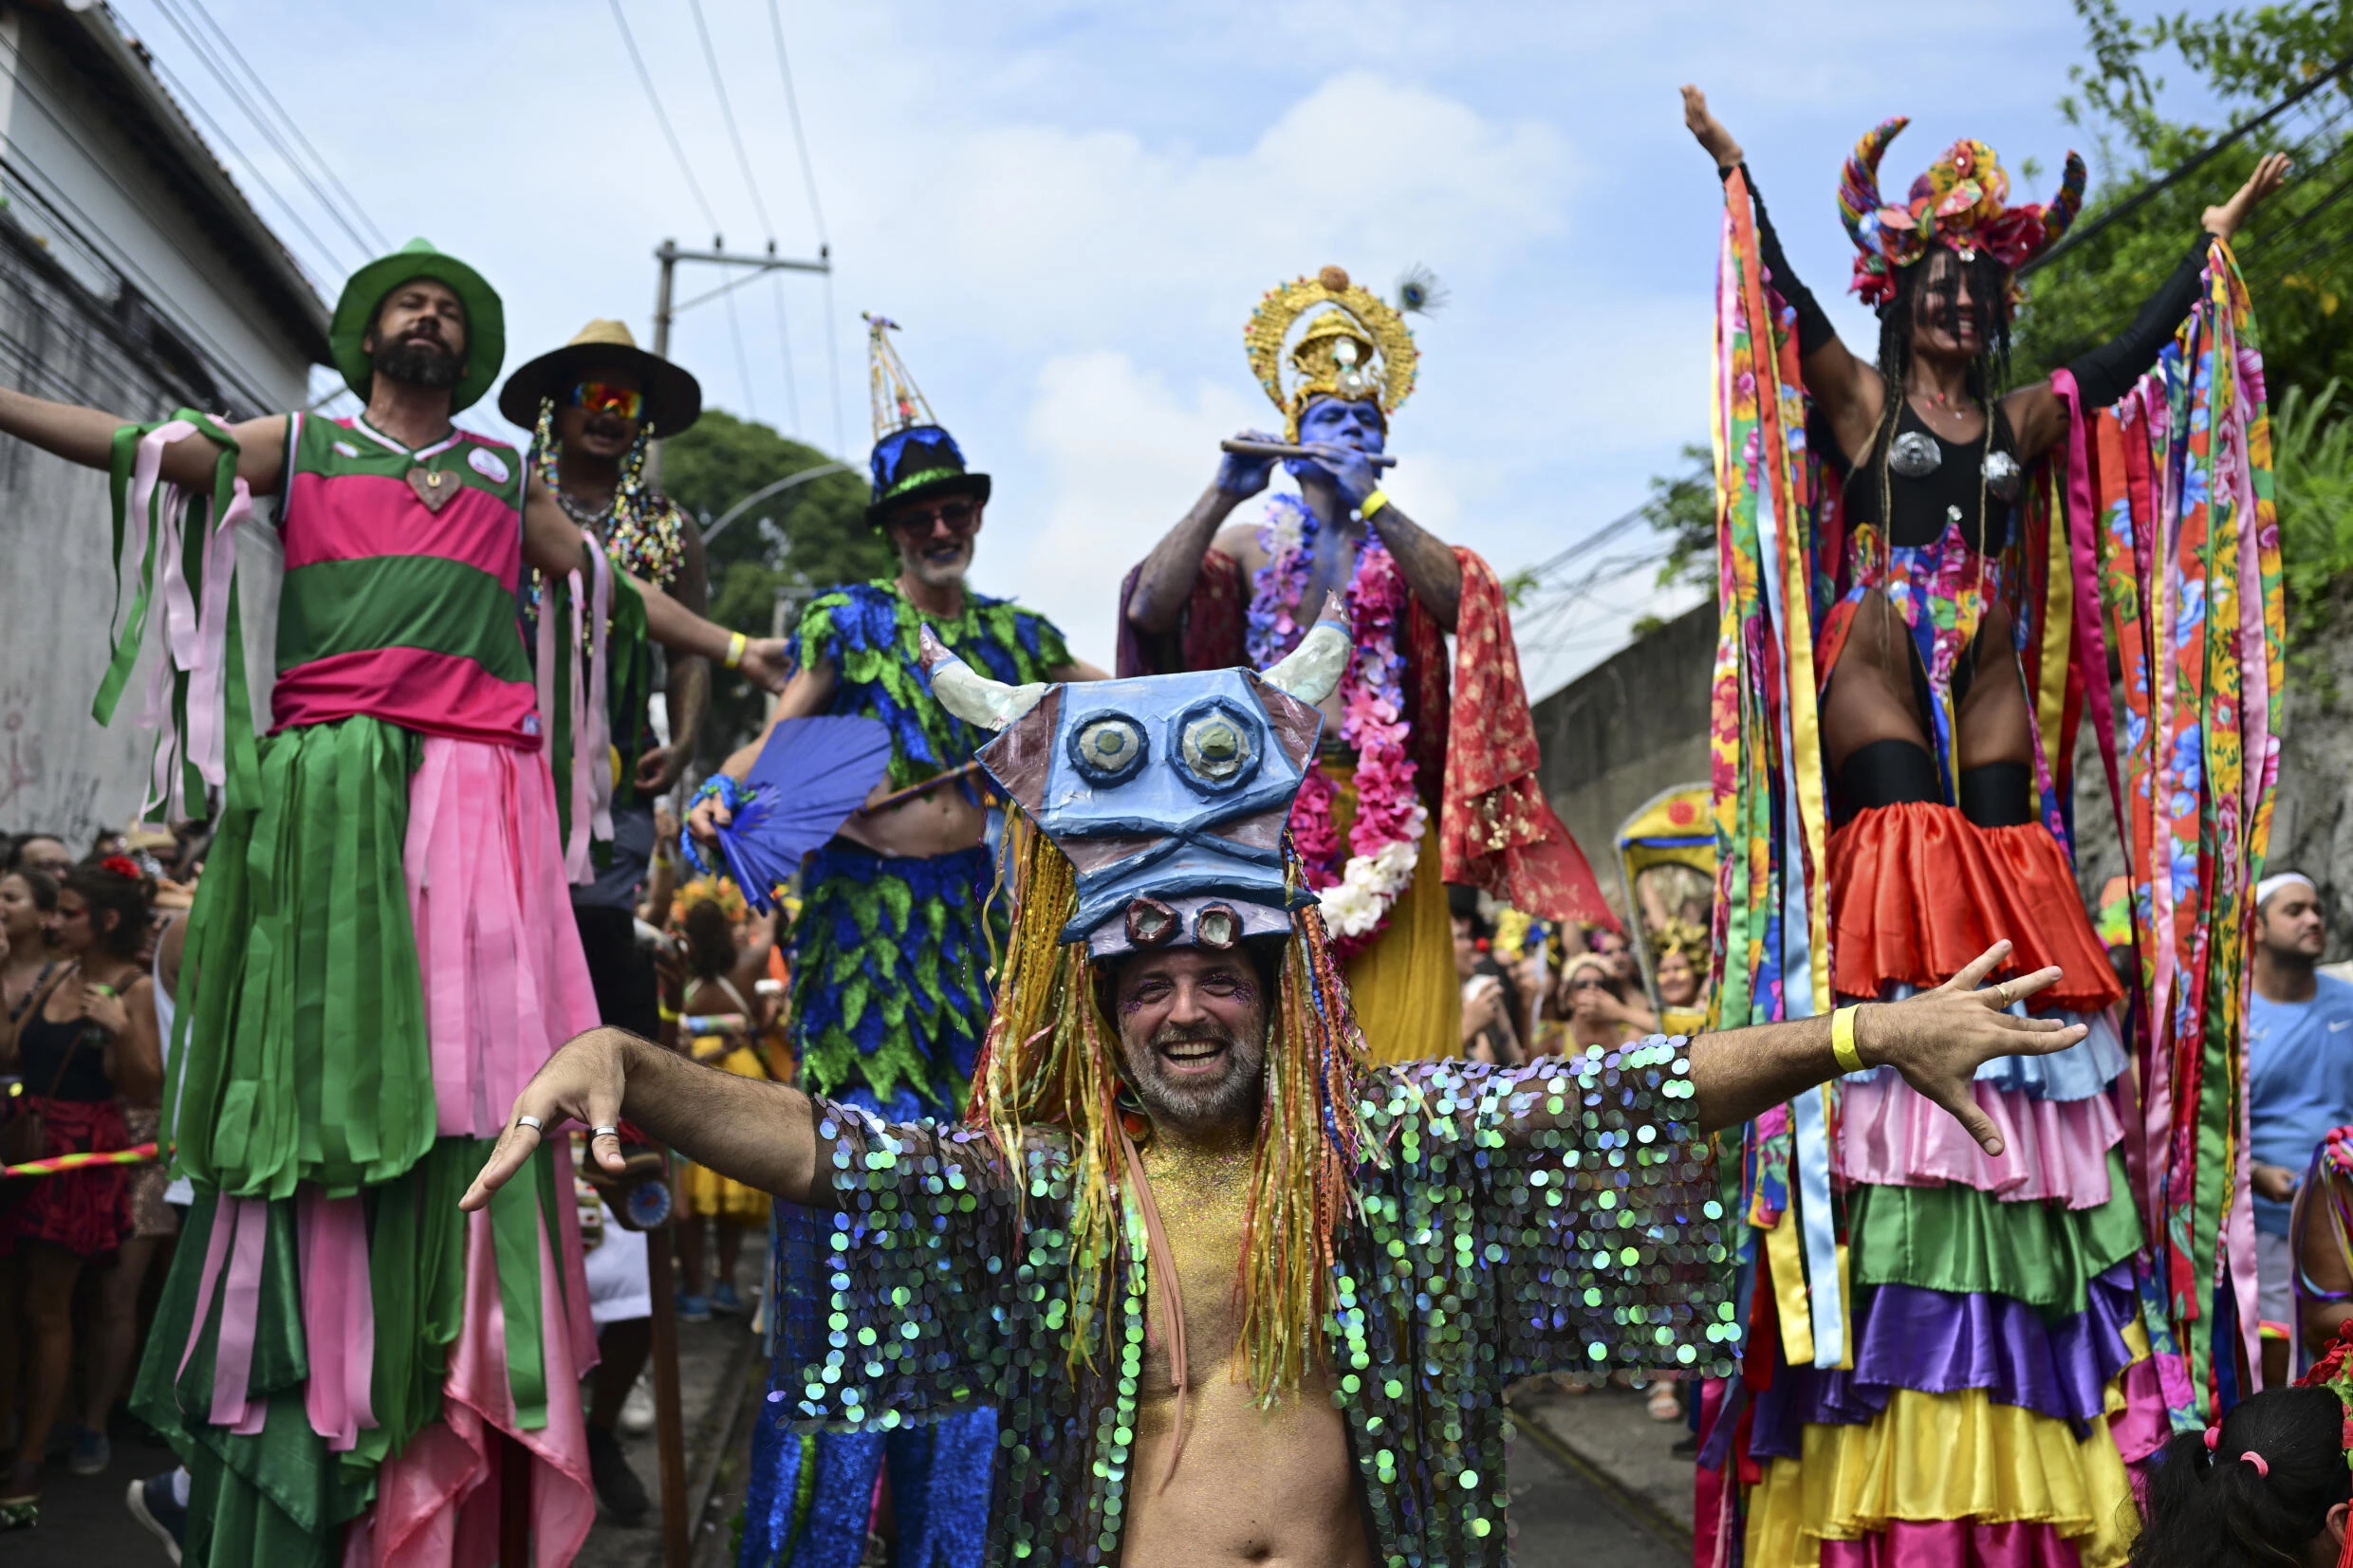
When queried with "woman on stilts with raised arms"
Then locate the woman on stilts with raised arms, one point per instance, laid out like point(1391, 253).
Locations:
point(1948, 1356)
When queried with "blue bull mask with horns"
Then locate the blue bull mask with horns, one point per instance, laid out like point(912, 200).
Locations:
point(1169, 793)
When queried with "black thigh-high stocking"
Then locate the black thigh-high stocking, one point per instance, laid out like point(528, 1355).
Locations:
point(1998, 794)
point(1884, 773)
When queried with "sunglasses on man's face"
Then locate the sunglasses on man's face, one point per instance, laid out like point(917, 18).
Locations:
point(1585, 986)
point(605, 398)
point(958, 515)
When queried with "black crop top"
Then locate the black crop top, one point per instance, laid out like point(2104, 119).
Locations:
point(1933, 482)
point(41, 1046)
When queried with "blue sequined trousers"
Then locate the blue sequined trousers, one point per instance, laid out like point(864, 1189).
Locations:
point(811, 1495)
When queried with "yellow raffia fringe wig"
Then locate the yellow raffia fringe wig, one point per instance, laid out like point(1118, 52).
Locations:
point(1051, 1060)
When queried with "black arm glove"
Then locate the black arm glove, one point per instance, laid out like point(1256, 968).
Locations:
point(2105, 374)
point(1813, 327)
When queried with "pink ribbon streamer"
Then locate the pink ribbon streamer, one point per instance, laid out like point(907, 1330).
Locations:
point(240, 1229)
point(191, 637)
point(338, 1316)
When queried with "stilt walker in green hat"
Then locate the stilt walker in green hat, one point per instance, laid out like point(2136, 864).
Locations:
point(383, 951)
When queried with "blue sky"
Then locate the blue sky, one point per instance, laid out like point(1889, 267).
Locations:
point(1072, 209)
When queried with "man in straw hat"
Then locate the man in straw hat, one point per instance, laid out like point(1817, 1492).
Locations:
point(890, 995)
point(1238, 1296)
point(594, 408)
point(381, 951)
point(1424, 781)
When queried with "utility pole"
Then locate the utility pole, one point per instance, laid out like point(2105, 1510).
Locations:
point(666, 310)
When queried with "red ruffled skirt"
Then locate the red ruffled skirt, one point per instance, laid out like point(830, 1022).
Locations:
point(88, 1211)
point(1918, 891)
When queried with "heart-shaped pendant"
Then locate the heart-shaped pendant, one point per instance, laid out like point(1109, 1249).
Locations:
point(435, 488)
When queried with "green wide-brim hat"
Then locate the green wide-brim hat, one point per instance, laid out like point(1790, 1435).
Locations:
point(355, 313)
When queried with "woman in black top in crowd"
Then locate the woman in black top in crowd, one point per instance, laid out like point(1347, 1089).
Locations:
point(28, 911)
point(83, 1049)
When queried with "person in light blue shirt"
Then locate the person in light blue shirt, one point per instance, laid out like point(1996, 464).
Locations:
point(2300, 1083)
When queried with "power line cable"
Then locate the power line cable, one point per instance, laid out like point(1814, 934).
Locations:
point(293, 128)
point(742, 362)
point(2182, 171)
point(783, 344)
point(253, 170)
point(734, 132)
point(270, 133)
point(661, 116)
point(793, 108)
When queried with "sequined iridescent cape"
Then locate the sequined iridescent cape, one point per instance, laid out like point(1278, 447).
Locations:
point(1557, 1217)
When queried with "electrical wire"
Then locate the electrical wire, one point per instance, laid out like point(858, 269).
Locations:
point(661, 116)
point(742, 362)
point(270, 133)
point(727, 113)
point(793, 108)
point(2183, 170)
point(783, 345)
point(293, 128)
point(326, 253)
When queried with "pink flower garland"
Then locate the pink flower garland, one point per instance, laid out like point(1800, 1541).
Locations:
point(1384, 841)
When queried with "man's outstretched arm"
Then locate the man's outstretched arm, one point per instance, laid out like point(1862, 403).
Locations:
point(86, 436)
point(763, 1135)
point(1936, 1040)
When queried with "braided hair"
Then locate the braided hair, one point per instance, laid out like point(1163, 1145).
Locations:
point(1928, 291)
point(2256, 1489)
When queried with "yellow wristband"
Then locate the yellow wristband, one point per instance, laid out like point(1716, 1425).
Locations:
point(669, 1014)
point(1842, 1039)
point(1372, 503)
point(736, 642)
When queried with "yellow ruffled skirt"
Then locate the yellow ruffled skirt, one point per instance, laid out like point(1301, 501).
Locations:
point(710, 1195)
point(1944, 1456)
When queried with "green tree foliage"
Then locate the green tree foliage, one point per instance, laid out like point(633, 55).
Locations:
point(1681, 510)
point(784, 548)
point(2293, 251)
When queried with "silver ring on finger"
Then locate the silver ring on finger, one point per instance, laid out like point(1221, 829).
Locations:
point(531, 1123)
point(596, 1133)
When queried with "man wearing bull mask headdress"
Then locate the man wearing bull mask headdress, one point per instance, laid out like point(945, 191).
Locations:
point(1237, 1295)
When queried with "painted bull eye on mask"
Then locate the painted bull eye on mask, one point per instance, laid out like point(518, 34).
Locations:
point(1216, 748)
point(1108, 749)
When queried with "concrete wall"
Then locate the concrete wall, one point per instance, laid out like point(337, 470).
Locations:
point(1631, 726)
point(113, 294)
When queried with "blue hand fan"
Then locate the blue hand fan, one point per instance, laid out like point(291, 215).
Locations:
point(811, 775)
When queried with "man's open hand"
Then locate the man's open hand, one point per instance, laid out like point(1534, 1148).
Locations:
point(1938, 1039)
point(582, 1083)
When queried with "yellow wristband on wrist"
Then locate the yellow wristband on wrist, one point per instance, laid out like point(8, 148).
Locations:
point(736, 643)
point(1842, 1039)
point(1372, 503)
point(669, 1014)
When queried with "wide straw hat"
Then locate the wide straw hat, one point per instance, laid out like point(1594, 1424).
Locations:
point(674, 399)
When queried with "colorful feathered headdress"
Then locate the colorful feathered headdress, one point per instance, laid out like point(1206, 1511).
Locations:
point(1151, 814)
point(1959, 201)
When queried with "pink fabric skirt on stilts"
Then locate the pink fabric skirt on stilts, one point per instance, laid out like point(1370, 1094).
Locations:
point(504, 985)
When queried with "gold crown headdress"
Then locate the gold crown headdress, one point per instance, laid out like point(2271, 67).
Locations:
point(1355, 345)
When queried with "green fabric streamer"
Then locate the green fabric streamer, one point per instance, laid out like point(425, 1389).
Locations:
point(304, 1030)
point(279, 1496)
point(1959, 1240)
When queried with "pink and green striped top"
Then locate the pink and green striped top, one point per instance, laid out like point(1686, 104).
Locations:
point(391, 609)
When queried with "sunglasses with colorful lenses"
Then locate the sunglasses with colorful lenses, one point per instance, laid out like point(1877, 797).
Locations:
point(605, 398)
